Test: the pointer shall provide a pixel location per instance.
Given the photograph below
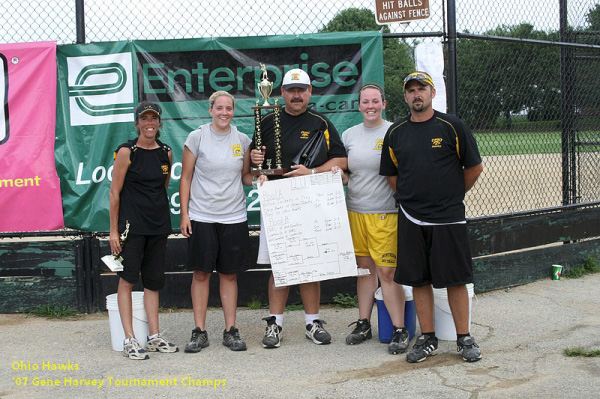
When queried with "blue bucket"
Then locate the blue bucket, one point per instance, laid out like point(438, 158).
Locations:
point(385, 326)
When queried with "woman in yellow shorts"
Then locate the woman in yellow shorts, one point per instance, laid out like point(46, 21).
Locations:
point(373, 220)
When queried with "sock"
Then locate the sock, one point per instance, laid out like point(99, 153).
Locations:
point(309, 318)
point(431, 334)
point(459, 336)
point(278, 319)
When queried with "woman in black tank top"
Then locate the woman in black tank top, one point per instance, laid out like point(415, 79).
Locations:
point(140, 224)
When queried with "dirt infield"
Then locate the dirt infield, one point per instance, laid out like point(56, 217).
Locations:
point(514, 183)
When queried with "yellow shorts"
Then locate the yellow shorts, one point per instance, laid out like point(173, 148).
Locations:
point(375, 235)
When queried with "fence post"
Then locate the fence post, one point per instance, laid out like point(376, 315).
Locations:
point(82, 303)
point(567, 122)
point(451, 83)
point(80, 21)
point(87, 267)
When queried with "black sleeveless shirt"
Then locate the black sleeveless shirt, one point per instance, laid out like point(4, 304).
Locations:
point(144, 201)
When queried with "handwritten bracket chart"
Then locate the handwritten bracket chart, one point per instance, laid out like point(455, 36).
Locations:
point(307, 228)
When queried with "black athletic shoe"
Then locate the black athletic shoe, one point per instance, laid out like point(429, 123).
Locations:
point(361, 332)
point(316, 333)
point(272, 338)
point(424, 346)
point(198, 341)
point(233, 341)
point(469, 350)
point(399, 342)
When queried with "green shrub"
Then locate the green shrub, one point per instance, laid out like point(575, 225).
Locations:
point(294, 306)
point(54, 312)
point(255, 303)
point(345, 300)
point(589, 266)
point(580, 352)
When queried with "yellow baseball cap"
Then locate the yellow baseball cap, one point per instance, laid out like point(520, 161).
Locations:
point(421, 77)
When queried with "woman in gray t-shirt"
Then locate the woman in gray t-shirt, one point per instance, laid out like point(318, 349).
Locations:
point(213, 216)
point(373, 220)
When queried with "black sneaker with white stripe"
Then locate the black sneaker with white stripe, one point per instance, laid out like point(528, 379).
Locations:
point(316, 333)
point(361, 332)
point(424, 346)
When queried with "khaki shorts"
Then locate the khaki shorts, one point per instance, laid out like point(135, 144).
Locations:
point(375, 235)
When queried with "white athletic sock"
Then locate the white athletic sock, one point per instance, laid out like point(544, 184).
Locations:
point(278, 319)
point(309, 318)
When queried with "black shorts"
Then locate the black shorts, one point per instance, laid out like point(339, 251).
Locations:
point(438, 255)
point(217, 246)
point(146, 255)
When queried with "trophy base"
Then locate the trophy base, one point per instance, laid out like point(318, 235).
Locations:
point(268, 172)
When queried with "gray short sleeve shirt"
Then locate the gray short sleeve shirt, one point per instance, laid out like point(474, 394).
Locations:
point(217, 194)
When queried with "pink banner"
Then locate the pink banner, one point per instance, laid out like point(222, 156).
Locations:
point(29, 187)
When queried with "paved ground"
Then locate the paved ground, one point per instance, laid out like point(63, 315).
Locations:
point(522, 333)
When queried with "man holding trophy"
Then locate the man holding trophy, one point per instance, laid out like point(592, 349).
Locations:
point(293, 142)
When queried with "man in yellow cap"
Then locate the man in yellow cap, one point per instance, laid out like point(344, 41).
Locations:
point(431, 160)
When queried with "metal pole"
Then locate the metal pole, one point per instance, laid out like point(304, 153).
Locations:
point(451, 83)
point(80, 21)
point(567, 101)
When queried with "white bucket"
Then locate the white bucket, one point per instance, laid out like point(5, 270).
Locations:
point(444, 323)
point(140, 321)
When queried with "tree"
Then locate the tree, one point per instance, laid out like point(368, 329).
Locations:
point(397, 55)
point(587, 92)
point(503, 79)
point(593, 18)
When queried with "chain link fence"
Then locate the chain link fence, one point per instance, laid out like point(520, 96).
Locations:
point(532, 103)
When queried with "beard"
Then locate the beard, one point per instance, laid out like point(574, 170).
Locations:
point(418, 107)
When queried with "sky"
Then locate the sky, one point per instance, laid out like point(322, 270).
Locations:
point(108, 20)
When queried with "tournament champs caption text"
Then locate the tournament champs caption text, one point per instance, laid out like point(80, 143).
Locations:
point(99, 383)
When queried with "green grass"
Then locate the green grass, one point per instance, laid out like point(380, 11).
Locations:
point(345, 300)
point(525, 142)
point(515, 143)
point(580, 352)
point(55, 312)
point(255, 303)
point(294, 306)
point(589, 266)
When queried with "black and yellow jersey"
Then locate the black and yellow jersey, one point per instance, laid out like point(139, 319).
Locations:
point(428, 158)
point(295, 132)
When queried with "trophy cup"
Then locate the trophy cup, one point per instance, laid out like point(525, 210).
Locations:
point(114, 261)
point(265, 87)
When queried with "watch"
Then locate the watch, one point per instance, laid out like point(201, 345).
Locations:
point(314, 171)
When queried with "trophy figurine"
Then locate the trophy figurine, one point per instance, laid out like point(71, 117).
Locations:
point(122, 239)
point(265, 87)
point(114, 261)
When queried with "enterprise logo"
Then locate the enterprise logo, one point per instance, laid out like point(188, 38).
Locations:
point(100, 89)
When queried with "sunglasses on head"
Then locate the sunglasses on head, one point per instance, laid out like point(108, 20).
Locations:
point(421, 76)
point(417, 75)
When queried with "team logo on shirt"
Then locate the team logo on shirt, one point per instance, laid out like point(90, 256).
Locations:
point(378, 144)
point(436, 143)
point(237, 150)
point(304, 135)
point(165, 169)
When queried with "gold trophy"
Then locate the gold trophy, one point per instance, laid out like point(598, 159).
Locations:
point(114, 261)
point(122, 239)
point(265, 87)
